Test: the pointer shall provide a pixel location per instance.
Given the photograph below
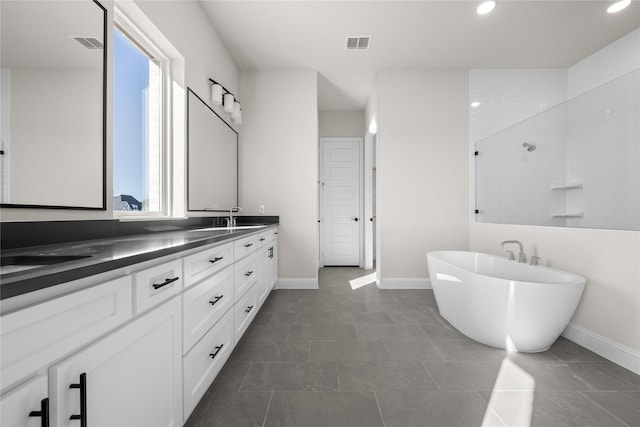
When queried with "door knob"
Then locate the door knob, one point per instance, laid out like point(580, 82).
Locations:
point(355, 219)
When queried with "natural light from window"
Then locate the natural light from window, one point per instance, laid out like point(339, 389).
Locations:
point(137, 135)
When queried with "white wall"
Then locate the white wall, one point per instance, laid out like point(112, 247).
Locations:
point(608, 317)
point(337, 124)
point(279, 164)
point(423, 193)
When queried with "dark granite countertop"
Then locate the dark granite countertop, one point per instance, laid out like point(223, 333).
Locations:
point(101, 255)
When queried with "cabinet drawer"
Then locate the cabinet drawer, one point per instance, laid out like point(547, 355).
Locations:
point(204, 361)
point(157, 284)
point(267, 236)
point(204, 304)
point(245, 246)
point(204, 263)
point(16, 405)
point(244, 312)
point(246, 274)
point(36, 336)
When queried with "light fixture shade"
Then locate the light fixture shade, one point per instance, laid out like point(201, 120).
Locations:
point(228, 102)
point(216, 94)
point(236, 110)
point(238, 119)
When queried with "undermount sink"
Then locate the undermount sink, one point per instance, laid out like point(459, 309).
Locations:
point(14, 263)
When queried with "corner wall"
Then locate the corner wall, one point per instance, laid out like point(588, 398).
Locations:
point(422, 171)
point(279, 167)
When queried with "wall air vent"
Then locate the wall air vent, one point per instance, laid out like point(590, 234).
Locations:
point(358, 43)
point(89, 42)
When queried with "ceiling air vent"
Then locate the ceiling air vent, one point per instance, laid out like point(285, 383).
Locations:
point(89, 42)
point(358, 43)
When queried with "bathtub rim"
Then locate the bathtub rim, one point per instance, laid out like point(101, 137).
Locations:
point(576, 279)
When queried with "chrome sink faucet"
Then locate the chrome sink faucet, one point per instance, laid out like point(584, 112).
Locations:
point(521, 255)
point(231, 221)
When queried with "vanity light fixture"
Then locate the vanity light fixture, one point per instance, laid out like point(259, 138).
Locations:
point(221, 96)
point(485, 7)
point(618, 6)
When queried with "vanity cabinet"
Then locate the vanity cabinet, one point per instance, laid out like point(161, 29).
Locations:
point(136, 350)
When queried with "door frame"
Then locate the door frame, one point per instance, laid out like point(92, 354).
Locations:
point(321, 241)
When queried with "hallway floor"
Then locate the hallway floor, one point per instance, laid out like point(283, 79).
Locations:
point(368, 357)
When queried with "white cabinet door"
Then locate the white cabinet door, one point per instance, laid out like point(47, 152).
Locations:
point(273, 264)
point(132, 377)
point(264, 280)
point(26, 405)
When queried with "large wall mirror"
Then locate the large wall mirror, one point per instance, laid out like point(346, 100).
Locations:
point(52, 104)
point(212, 159)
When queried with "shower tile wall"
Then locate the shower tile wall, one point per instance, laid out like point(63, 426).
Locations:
point(511, 192)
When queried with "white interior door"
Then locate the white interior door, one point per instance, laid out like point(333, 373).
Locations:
point(341, 195)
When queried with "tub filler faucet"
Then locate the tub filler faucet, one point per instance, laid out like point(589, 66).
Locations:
point(521, 255)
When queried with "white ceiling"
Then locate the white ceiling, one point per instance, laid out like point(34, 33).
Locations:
point(427, 34)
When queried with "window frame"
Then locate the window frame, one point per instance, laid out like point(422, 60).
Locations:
point(143, 42)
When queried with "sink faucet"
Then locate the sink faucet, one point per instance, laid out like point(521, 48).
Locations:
point(231, 221)
point(521, 256)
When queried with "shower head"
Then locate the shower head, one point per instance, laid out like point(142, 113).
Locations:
point(529, 147)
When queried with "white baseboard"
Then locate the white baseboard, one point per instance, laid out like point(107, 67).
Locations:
point(285, 283)
point(617, 353)
point(404, 283)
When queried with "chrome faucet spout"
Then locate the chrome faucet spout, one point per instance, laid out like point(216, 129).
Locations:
point(521, 255)
point(231, 221)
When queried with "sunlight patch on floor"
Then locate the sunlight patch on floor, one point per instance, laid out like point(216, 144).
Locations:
point(363, 281)
point(512, 397)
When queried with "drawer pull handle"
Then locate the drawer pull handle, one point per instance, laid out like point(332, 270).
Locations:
point(215, 353)
point(216, 259)
point(165, 283)
point(215, 300)
point(248, 310)
point(271, 252)
point(248, 273)
point(43, 412)
point(248, 245)
point(82, 385)
point(262, 239)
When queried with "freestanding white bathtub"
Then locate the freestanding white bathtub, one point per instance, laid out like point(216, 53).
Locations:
point(502, 303)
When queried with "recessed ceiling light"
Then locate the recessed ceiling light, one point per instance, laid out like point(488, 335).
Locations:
point(486, 7)
point(618, 6)
point(475, 104)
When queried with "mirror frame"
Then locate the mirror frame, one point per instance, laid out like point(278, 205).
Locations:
point(189, 93)
point(104, 133)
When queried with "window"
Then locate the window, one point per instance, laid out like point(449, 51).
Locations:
point(138, 148)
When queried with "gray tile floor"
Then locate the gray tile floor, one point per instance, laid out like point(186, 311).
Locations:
point(368, 357)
